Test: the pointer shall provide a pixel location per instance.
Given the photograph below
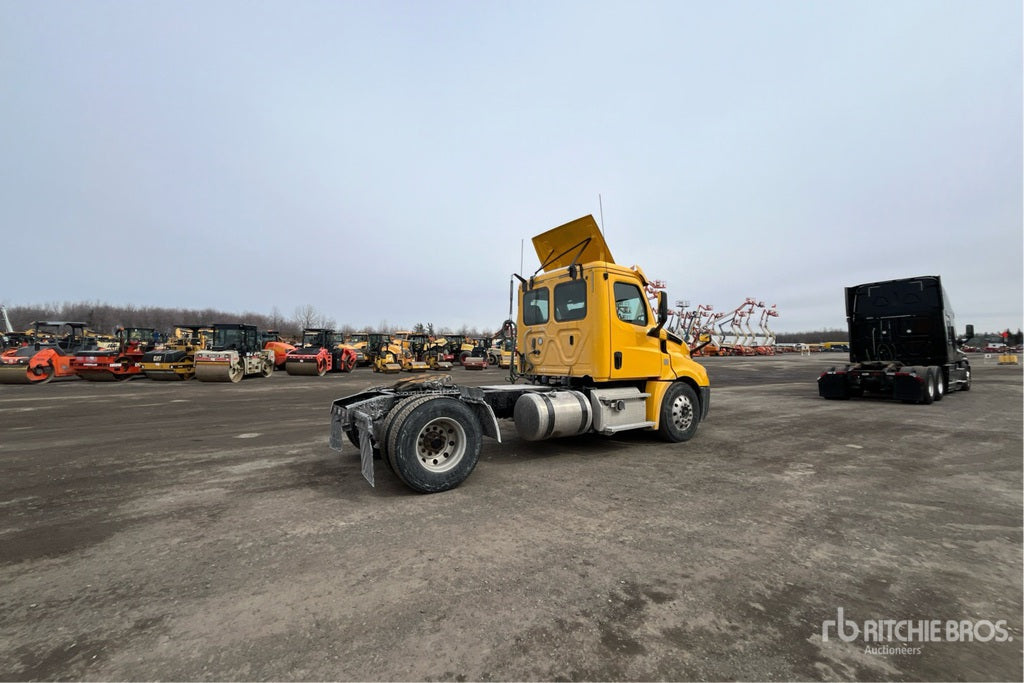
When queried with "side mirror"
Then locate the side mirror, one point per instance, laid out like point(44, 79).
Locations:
point(970, 331)
point(662, 315)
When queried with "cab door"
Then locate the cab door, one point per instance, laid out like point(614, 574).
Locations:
point(634, 355)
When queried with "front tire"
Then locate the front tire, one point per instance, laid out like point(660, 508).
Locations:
point(434, 443)
point(41, 374)
point(680, 413)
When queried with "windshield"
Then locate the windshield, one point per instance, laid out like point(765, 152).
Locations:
point(225, 338)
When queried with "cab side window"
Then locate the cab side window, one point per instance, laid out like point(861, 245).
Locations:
point(570, 301)
point(629, 303)
point(535, 306)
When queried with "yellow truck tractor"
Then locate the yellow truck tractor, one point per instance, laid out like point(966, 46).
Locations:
point(591, 356)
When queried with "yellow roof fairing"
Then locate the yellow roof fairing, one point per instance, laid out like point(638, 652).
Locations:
point(578, 241)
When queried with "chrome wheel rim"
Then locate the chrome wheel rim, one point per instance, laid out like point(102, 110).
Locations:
point(440, 445)
point(682, 413)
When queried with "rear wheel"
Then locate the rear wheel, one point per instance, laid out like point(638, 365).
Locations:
point(928, 388)
point(268, 368)
point(122, 376)
point(434, 443)
point(680, 413)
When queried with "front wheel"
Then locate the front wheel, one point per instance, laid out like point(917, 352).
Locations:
point(434, 443)
point(41, 374)
point(680, 413)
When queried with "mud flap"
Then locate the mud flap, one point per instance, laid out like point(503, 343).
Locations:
point(833, 384)
point(908, 386)
point(365, 425)
point(337, 431)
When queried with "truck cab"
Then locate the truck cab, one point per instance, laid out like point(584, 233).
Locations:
point(587, 321)
point(902, 343)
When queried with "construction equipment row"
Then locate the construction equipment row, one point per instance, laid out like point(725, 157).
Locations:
point(223, 352)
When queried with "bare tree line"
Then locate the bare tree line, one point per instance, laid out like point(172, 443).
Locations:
point(105, 318)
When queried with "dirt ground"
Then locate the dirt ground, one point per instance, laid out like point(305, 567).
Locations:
point(188, 531)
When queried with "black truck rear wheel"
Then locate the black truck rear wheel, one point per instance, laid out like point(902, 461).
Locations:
point(928, 386)
point(433, 443)
point(940, 383)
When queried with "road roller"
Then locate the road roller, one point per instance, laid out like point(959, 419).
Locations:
point(177, 360)
point(48, 353)
point(592, 355)
point(118, 363)
point(235, 352)
point(271, 341)
point(321, 351)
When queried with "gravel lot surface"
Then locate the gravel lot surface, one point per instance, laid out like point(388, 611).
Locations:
point(189, 531)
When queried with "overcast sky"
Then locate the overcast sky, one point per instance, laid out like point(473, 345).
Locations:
point(385, 161)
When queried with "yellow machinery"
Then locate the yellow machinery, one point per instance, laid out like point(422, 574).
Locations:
point(388, 358)
point(500, 352)
point(434, 354)
point(592, 356)
point(177, 360)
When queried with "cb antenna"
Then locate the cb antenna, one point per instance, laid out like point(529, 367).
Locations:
point(600, 208)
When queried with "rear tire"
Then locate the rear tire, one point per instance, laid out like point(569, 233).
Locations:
point(940, 383)
point(434, 443)
point(928, 387)
point(120, 377)
point(679, 416)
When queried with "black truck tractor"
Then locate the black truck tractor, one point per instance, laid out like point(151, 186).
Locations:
point(902, 344)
